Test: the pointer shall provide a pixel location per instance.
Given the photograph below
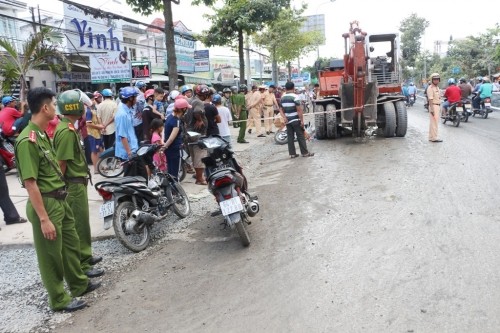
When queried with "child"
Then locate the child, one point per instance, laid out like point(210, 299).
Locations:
point(159, 158)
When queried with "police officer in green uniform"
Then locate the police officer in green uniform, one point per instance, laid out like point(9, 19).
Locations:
point(55, 239)
point(240, 112)
point(71, 157)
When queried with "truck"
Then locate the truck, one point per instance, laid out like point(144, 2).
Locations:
point(362, 90)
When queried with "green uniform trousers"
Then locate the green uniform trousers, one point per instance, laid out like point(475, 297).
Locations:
point(243, 126)
point(58, 260)
point(78, 202)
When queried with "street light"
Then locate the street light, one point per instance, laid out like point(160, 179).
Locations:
point(317, 9)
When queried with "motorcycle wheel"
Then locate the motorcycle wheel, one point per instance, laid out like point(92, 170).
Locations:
point(176, 194)
point(182, 170)
point(134, 241)
point(243, 233)
point(485, 114)
point(456, 120)
point(465, 117)
point(110, 167)
point(281, 137)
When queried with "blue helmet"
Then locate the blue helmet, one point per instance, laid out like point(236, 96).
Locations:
point(7, 99)
point(107, 93)
point(185, 88)
point(140, 84)
point(128, 92)
point(451, 81)
point(217, 99)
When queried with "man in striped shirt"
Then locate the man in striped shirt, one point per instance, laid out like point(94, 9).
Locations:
point(291, 111)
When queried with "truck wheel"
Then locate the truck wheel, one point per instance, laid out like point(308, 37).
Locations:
point(390, 120)
point(319, 122)
point(331, 121)
point(401, 119)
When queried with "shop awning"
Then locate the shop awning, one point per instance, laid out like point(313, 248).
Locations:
point(157, 78)
point(191, 78)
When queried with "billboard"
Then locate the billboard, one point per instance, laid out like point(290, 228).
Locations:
point(141, 69)
point(315, 23)
point(201, 61)
point(101, 39)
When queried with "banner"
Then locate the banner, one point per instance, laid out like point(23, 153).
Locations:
point(110, 67)
point(141, 69)
point(201, 61)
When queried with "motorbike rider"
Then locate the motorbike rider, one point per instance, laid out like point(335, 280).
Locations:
point(465, 88)
point(11, 119)
point(126, 143)
point(412, 92)
point(476, 100)
point(452, 94)
point(486, 89)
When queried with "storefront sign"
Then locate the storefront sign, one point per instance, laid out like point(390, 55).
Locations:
point(201, 61)
point(141, 69)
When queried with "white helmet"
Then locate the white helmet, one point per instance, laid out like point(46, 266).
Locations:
point(173, 94)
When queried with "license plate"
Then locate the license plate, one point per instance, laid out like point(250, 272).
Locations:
point(107, 209)
point(231, 206)
point(487, 105)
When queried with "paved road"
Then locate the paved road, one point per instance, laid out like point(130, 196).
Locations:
point(386, 235)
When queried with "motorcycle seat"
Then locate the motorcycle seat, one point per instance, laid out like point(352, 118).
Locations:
point(127, 180)
point(220, 173)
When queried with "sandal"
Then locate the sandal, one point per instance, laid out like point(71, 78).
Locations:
point(293, 156)
point(201, 182)
point(308, 155)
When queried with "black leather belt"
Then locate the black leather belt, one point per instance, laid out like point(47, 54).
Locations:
point(78, 180)
point(59, 194)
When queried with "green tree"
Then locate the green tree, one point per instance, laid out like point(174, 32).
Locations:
point(319, 64)
point(40, 51)
point(236, 18)
point(284, 40)
point(412, 29)
point(147, 7)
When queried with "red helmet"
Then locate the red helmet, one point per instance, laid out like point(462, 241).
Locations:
point(202, 90)
point(148, 93)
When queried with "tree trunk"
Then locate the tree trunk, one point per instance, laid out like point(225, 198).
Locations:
point(275, 66)
point(241, 57)
point(22, 89)
point(170, 45)
point(289, 66)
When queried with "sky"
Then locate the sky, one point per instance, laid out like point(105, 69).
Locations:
point(446, 17)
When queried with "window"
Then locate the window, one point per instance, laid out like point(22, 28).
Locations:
point(133, 55)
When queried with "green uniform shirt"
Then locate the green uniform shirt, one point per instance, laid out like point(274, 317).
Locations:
point(239, 100)
point(68, 148)
point(31, 161)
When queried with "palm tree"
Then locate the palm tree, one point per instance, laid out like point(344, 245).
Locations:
point(40, 51)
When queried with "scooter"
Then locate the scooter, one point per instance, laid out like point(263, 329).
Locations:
point(484, 108)
point(109, 166)
point(7, 152)
point(410, 100)
point(453, 114)
point(228, 185)
point(132, 204)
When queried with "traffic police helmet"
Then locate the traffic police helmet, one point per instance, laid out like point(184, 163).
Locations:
point(70, 102)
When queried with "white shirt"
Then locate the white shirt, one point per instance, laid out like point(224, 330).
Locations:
point(225, 118)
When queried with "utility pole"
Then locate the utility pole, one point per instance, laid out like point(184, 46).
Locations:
point(32, 10)
point(247, 65)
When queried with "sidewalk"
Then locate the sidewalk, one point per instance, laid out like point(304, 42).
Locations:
point(22, 234)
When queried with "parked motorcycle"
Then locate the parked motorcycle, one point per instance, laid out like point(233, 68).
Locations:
point(484, 108)
point(109, 165)
point(453, 114)
point(7, 152)
point(228, 185)
point(133, 204)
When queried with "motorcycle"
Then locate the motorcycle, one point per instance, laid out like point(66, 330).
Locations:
point(411, 100)
point(228, 185)
point(484, 108)
point(453, 114)
point(132, 204)
point(466, 110)
point(7, 154)
point(281, 136)
point(109, 166)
